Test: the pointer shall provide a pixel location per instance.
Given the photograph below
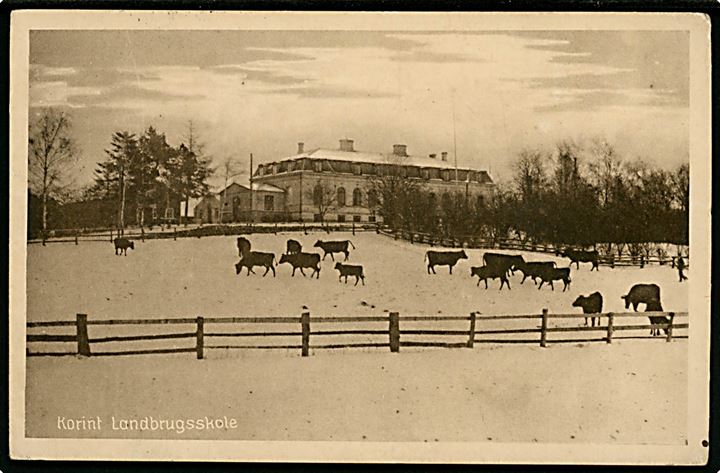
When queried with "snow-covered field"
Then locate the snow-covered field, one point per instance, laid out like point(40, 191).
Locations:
point(633, 391)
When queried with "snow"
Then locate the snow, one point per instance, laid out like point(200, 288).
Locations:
point(631, 391)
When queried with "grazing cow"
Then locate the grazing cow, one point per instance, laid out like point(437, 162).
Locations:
point(489, 272)
point(350, 270)
point(499, 260)
point(243, 245)
point(442, 258)
point(303, 260)
point(330, 247)
point(532, 269)
point(580, 256)
point(256, 258)
point(293, 247)
point(591, 304)
point(641, 294)
point(554, 274)
point(122, 244)
point(656, 306)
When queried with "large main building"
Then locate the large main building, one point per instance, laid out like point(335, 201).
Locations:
point(335, 184)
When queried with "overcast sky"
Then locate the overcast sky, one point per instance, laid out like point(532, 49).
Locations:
point(263, 91)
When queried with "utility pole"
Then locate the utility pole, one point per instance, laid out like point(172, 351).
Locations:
point(454, 135)
point(252, 193)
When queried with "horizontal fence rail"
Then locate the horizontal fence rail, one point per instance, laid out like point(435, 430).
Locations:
point(472, 241)
point(395, 332)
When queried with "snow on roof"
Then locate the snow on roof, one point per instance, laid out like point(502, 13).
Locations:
point(256, 186)
point(375, 158)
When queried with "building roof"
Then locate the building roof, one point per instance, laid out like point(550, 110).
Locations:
point(256, 186)
point(376, 158)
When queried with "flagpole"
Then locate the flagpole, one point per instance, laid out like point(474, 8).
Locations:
point(252, 194)
point(454, 135)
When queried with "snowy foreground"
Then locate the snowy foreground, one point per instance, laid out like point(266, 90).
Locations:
point(632, 391)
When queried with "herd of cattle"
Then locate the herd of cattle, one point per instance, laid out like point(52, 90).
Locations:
point(496, 266)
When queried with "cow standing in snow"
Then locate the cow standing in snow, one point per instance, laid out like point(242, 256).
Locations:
point(443, 258)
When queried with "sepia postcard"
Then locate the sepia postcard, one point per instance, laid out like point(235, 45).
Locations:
point(360, 237)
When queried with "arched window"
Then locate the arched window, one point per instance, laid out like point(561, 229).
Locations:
point(341, 197)
point(357, 197)
point(446, 200)
point(432, 201)
point(318, 195)
point(372, 198)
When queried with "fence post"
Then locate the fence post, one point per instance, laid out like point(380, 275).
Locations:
point(353, 227)
point(111, 235)
point(471, 335)
point(394, 332)
point(610, 328)
point(305, 321)
point(175, 234)
point(83, 340)
point(142, 233)
point(543, 328)
point(200, 337)
point(76, 238)
point(275, 228)
point(670, 326)
point(44, 237)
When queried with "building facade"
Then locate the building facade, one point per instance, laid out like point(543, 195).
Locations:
point(236, 203)
point(336, 184)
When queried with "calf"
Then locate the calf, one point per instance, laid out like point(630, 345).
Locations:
point(256, 258)
point(442, 258)
point(489, 272)
point(533, 269)
point(499, 260)
point(655, 306)
point(243, 246)
point(553, 274)
point(303, 260)
point(350, 270)
point(580, 256)
point(641, 294)
point(330, 247)
point(122, 244)
point(591, 304)
point(293, 247)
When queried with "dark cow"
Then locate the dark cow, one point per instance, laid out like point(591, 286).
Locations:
point(243, 245)
point(350, 270)
point(443, 258)
point(656, 306)
point(581, 256)
point(499, 260)
point(303, 260)
point(554, 274)
point(122, 244)
point(489, 272)
point(293, 247)
point(641, 294)
point(532, 269)
point(591, 304)
point(256, 258)
point(330, 247)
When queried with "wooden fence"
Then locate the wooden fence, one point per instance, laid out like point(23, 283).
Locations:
point(391, 329)
point(472, 241)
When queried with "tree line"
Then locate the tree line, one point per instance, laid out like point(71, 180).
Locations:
point(574, 195)
point(141, 180)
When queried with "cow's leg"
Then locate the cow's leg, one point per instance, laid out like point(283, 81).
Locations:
point(332, 255)
point(551, 285)
point(428, 269)
point(577, 264)
point(486, 286)
point(450, 266)
point(586, 321)
point(324, 254)
point(303, 272)
point(363, 279)
point(317, 272)
point(478, 284)
point(433, 269)
point(357, 280)
point(542, 281)
point(273, 269)
point(267, 268)
point(347, 254)
point(507, 281)
point(293, 273)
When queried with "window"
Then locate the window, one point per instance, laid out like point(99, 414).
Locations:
point(371, 218)
point(269, 202)
point(154, 212)
point(481, 201)
point(317, 217)
point(318, 195)
point(170, 212)
point(372, 198)
point(357, 170)
point(432, 201)
point(341, 197)
point(341, 218)
point(356, 218)
point(446, 200)
point(318, 166)
point(357, 197)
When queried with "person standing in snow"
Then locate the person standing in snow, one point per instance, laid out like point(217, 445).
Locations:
point(681, 268)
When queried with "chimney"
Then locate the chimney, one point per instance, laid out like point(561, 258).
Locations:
point(432, 156)
point(400, 150)
point(346, 145)
point(444, 155)
point(301, 147)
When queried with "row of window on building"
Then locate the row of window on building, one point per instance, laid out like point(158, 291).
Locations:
point(341, 199)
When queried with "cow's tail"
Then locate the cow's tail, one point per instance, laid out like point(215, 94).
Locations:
point(351, 244)
point(426, 256)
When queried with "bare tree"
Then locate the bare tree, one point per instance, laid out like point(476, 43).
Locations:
point(323, 197)
point(51, 152)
